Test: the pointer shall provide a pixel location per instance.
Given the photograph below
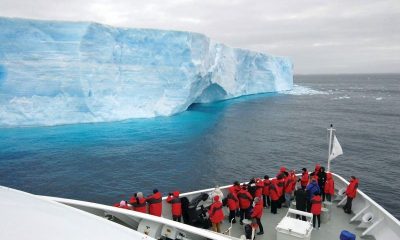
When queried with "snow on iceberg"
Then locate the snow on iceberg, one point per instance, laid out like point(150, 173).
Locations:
point(72, 72)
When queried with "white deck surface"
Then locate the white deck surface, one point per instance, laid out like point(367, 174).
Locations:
point(328, 231)
point(26, 216)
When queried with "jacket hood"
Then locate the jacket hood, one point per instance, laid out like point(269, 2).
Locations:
point(157, 195)
point(354, 181)
point(317, 167)
point(176, 194)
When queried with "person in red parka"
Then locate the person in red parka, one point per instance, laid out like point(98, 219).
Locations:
point(329, 187)
point(288, 189)
point(155, 203)
point(281, 189)
point(257, 214)
point(281, 171)
point(133, 199)
point(266, 198)
point(259, 187)
point(316, 171)
point(123, 204)
point(274, 194)
point(304, 178)
point(294, 180)
point(176, 207)
point(237, 188)
point(316, 205)
point(216, 214)
point(232, 203)
point(139, 203)
point(351, 193)
point(245, 200)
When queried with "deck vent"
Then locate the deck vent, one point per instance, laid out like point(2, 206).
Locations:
point(368, 217)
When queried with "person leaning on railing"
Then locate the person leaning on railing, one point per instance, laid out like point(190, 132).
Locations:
point(351, 193)
point(176, 206)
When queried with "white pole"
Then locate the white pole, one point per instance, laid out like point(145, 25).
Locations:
point(330, 147)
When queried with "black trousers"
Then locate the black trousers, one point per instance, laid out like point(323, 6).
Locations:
point(322, 191)
point(281, 200)
point(176, 218)
point(308, 206)
point(319, 220)
point(266, 201)
point(274, 206)
point(232, 215)
point(244, 213)
point(301, 209)
point(347, 207)
point(328, 197)
point(260, 226)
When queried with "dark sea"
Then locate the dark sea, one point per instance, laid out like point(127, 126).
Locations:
point(219, 143)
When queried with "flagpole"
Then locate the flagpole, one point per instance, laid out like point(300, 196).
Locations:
point(330, 146)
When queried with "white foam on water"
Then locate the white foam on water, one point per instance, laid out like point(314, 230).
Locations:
point(342, 97)
point(302, 90)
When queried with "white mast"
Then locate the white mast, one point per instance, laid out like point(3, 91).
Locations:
point(331, 132)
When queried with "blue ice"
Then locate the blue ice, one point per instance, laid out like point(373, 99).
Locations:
point(74, 72)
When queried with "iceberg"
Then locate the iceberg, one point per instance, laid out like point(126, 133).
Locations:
point(55, 72)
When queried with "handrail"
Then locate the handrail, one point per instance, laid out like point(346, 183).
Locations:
point(187, 228)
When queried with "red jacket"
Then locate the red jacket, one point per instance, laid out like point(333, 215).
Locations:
point(139, 205)
point(237, 189)
point(245, 199)
point(329, 187)
point(280, 184)
point(304, 179)
point(316, 205)
point(259, 190)
point(273, 191)
point(317, 168)
point(351, 190)
point(216, 214)
point(175, 204)
point(267, 183)
point(232, 199)
point(294, 180)
point(258, 210)
point(132, 200)
point(155, 204)
point(288, 184)
point(124, 206)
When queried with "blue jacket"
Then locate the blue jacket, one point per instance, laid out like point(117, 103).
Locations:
point(311, 189)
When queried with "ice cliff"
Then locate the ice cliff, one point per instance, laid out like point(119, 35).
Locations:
point(65, 72)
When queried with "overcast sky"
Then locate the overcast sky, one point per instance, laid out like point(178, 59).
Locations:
point(326, 36)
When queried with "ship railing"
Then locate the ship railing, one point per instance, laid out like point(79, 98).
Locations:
point(132, 219)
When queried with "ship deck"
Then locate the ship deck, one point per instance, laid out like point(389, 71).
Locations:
point(329, 231)
point(376, 223)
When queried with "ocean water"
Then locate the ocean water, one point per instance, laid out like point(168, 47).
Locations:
point(218, 143)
